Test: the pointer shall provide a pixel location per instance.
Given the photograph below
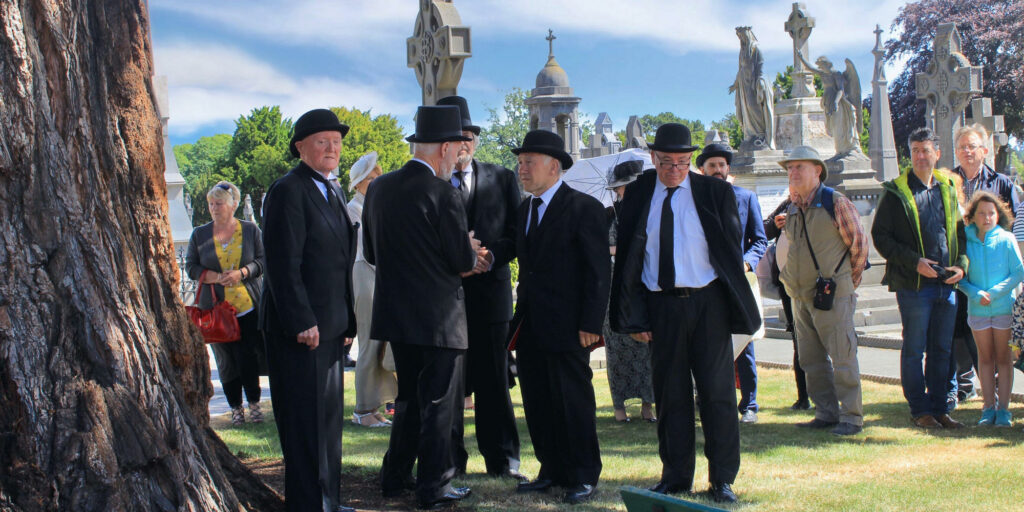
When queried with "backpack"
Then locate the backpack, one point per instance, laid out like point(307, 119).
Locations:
point(828, 202)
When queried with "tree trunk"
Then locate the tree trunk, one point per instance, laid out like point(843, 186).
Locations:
point(104, 383)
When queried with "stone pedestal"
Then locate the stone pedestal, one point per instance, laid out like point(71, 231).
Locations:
point(801, 122)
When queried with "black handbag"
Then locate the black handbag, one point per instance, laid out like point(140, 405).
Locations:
point(824, 287)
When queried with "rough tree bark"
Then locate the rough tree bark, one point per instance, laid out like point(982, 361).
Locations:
point(104, 383)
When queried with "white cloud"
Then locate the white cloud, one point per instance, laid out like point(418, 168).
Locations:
point(211, 84)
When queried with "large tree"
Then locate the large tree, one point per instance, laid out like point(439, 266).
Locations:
point(506, 130)
point(380, 133)
point(104, 383)
point(992, 32)
point(203, 164)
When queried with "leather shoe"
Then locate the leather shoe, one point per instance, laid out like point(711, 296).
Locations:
point(847, 429)
point(948, 422)
point(749, 416)
point(538, 485)
point(722, 493)
point(801, 405)
point(579, 493)
point(927, 421)
point(453, 494)
point(664, 488)
point(817, 423)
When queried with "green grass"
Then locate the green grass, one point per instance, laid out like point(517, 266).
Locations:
point(890, 466)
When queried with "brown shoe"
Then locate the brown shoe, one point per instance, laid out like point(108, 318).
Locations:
point(948, 422)
point(927, 421)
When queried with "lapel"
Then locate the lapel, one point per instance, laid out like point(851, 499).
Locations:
point(552, 215)
point(524, 208)
point(703, 202)
point(317, 198)
point(482, 177)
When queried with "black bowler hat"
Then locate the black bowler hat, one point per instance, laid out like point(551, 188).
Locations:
point(315, 121)
point(624, 174)
point(459, 101)
point(712, 150)
point(439, 123)
point(546, 143)
point(672, 138)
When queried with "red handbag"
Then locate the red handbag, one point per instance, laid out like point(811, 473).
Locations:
point(218, 324)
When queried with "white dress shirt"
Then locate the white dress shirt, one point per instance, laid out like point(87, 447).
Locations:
point(467, 178)
point(546, 198)
point(690, 247)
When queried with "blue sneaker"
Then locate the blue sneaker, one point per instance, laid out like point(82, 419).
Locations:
point(988, 417)
point(1002, 418)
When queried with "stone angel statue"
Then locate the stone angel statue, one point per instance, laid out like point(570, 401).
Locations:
point(841, 101)
point(755, 106)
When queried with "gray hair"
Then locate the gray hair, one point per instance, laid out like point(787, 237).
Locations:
point(225, 191)
point(975, 128)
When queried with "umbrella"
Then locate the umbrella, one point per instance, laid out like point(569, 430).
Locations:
point(590, 175)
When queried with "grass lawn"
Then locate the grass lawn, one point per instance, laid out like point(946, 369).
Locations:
point(890, 466)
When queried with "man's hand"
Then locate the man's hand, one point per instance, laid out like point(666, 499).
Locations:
point(588, 338)
point(310, 337)
point(958, 274)
point(642, 337)
point(780, 220)
point(986, 299)
point(484, 258)
point(474, 242)
point(924, 267)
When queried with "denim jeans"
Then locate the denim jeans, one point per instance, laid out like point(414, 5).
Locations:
point(928, 318)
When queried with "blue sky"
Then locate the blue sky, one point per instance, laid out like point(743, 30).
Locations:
point(224, 58)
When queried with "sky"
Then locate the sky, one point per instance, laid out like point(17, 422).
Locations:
point(223, 58)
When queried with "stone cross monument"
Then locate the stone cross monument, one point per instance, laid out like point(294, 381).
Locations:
point(981, 113)
point(947, 84)
point(799, 27)
point(799, 119)
point(179, 215)
point(882, 148)
point(438, 49)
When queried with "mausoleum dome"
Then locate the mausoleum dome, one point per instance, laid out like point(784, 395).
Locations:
point(552, 75)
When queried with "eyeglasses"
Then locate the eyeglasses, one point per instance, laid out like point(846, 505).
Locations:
point(669, 165)
point(969, 147)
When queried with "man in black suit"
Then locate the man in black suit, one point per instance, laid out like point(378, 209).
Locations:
point(679, 285)
point(562, 246)
point(415, 233)
point(490, 194)
point(306, 311)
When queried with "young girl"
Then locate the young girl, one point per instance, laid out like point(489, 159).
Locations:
point(993, 274)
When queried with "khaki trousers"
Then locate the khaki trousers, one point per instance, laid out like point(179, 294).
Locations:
point(375, 383)
point(827, 346)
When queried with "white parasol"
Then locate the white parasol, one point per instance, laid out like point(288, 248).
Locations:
point(590, 175)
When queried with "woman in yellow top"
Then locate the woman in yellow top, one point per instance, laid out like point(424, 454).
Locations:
point(231, 253)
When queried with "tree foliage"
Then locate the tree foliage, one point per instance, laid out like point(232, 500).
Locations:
point(380, 133)
point(506, 129)
point(992, 33)
point(730, 124)
point(651, 122)
point(784, 82)
point(202, 165)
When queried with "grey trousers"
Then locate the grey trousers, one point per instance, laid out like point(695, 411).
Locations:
point(827, 346)
point(375, 383)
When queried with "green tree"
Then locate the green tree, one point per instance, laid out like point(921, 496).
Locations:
point(380, 133)
point(865, 129)
point(203, 164)
point(730, 124)
point(259, 152)
point(506, 130)
point(651, 122)
point(784, 82)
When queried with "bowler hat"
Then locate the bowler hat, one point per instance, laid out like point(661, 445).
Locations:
point(715, 149)
point(806, 153)
point(315, 121)
point(546, 143)
point(672, 138)
point(361, 169)
point(459, 101)
point(624, 174)
point(438, 123)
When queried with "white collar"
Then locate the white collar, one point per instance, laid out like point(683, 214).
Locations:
point(549, 193)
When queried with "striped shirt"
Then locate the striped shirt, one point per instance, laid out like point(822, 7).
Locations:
point(847, 221)
point(1018, 223)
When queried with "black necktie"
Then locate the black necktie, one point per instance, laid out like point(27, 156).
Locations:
point(666, 259)
point(332, 195)
point(534, 218)
point(461, 176)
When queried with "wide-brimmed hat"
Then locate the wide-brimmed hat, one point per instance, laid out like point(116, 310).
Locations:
point(546, 143)
point(624, 174)
point(459, 101)
point(361, 169)
point(672, 138)
point(438, 123)
point(713, 150)
point(806, 153)
point(315, 121)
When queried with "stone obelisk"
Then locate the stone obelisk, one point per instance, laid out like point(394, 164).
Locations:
point(882, 147)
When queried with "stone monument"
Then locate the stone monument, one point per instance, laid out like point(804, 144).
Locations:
point(247, 211)
point(603, 141)
point(713, 136)
point(800, 120)
point(882, 146)
point(635, 137)
point(947, 84)
point(755, 105)
point(438, 48)
point(553, 105)
point(178, 215)
point(981, 113)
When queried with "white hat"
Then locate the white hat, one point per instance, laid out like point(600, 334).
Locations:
point(361, 169)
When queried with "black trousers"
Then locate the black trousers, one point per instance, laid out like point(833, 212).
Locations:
point(487, 375)
point(798, 372)
point(690, 335)
point(558, 400)
point(429, 396)
point(306, 388)
point(965, 350)
point(244, 354)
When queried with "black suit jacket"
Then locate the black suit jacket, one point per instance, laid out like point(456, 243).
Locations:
point(309, 251)
point(493, 202)
point(563, 272)
point(716, 208)
point(415, 233)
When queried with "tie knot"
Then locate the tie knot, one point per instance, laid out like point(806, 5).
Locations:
point(536, 202)
point(670, 191)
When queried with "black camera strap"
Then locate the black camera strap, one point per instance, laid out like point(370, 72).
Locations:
point(811, 248)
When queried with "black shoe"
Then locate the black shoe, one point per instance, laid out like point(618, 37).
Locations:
point(722, 493)
point(801, 405)
point(453, 494)
point(511, 473)
point(817, 423)
point(538, 485)
point(664, 488)
point(847, 429)
point(394, 492)
point(579, 493)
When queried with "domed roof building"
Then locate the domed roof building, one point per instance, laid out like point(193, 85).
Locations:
point(553, 105)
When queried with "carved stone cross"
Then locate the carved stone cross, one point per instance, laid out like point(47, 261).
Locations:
point(799, 27)
point(551, 40)
point(438, 49)
point(947, 85)
point(981, 113)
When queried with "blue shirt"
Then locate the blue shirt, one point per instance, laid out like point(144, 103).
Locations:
point(690, 247)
